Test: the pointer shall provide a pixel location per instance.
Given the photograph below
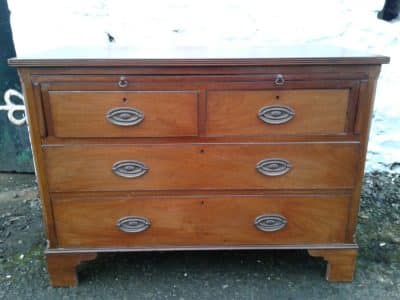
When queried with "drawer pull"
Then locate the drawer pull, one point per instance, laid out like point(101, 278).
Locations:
point(273, 166)
point(276, 114)
point(279, 80)
point(125, 116)
point(270, 222)
point(133, 224)
point(129, 168)
point(123, 82)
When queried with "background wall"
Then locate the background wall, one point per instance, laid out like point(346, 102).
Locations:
point(45, 24)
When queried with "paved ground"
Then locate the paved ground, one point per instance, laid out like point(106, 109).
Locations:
point(201, 275)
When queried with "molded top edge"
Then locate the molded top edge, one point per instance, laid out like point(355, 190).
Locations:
point(197, 56)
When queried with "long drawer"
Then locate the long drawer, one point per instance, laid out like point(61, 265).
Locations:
point(218, 220)
point(201, 166)
point(273, 112)
point(123, 114)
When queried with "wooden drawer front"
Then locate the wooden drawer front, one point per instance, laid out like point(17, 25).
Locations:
point(219, 220)
point(201, 166)
point(123, 114)
point(277, 112)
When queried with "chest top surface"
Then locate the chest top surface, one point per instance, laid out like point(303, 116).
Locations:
point(198, 56)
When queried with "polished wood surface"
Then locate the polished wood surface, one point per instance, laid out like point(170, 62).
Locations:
point(315, 112)
point(201, 166)
point(62, 267)
point(341, 263)
point(211, 55)
point(222, 220)
point(363, 124)
point(83, 114)
point(36, 127)
point(200, 141)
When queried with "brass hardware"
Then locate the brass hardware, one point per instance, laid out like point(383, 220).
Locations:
point(125, 116)
point(123, 82)
point(133, 224)
point(129, 168)
point(270, 222)
point(273, 166)
point(276, 114)
point(279, 80)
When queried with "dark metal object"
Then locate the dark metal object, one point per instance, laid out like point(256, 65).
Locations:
point(279, 80)
point(270, 222)
point(111, 39)
point(133, 224)
point(390, 10)
point(123, 82)
point(276, 114)
point(273, 166)
point(125, 116)
point(129, 168)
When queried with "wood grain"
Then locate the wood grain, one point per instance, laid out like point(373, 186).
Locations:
point(362, 127)
point(83, 114)
point(358, 72)
point(222, 220)
point(201, 166)
point(52, 141)
point(210, 55)
point(316, 112)
point(34, 118)
point(201, 140)
point(62, 267)
point(341, 263)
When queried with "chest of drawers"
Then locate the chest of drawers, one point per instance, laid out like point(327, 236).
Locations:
point(249, 151)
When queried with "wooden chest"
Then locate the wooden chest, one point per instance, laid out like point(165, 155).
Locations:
point(205, 150)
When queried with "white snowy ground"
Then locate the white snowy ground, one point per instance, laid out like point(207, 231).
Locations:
point(42, 25)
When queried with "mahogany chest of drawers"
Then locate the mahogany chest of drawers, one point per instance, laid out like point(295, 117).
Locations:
point(248, 151)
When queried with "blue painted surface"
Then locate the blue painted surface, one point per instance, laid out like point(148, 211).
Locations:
point(15, 153)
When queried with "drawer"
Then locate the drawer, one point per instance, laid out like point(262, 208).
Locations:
point(272, 112)
point(201, 166)
point(219, 220)
point(123, 113)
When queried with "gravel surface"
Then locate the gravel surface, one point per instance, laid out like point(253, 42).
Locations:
point(205, 275)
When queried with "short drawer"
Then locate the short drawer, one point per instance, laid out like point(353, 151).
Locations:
point(273, 112)
point(201, 166)
point(123, 114)
point(219, 220)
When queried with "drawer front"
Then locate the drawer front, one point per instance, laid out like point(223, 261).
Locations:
point(220, 220)
point(123, 114)
point(277, 112)
point(201, 166)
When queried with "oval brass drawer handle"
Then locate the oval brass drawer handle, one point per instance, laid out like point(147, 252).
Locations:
point(125, 116)
point(276, 114)
point(270, 222)
point(273, 166)
point(133, 224)
point(129, 168)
